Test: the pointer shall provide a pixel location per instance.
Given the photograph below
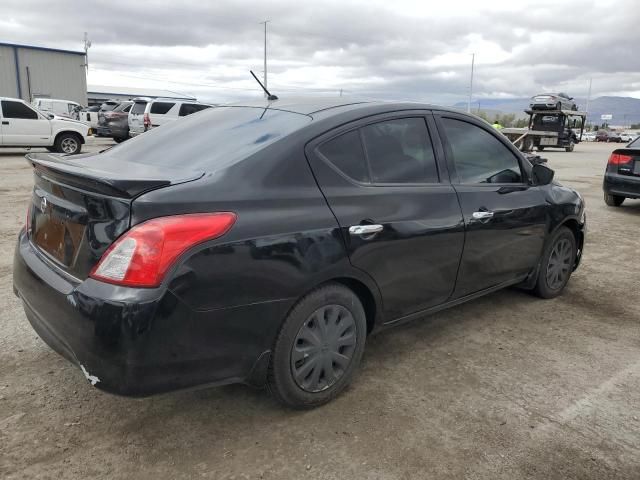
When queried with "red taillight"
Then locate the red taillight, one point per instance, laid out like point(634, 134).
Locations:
point(146, 120)
point(143, 255)
point(619, 159)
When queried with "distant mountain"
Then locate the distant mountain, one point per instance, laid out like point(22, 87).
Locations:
point(625, 110)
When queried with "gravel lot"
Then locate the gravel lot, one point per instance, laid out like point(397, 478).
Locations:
point(505, 387)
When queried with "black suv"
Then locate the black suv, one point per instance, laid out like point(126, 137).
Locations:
point(265, 250)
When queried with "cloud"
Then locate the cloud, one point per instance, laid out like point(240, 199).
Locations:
point(401, 49)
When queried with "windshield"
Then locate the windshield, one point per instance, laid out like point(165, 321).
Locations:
point(210, 139)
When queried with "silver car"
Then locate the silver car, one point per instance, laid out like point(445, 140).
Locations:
point(552, 101)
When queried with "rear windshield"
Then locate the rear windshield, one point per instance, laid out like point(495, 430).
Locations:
point(138, 107)
point(121, 107)
point(107, 107)
point(213, 139)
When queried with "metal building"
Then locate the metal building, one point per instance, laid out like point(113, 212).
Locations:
point(96, 94)
point(30, 72)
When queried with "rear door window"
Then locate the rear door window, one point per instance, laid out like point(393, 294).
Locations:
point(138, 108)
point(479, 157)
point(17, 110)
point(346, 154)
point(400, 151)
point(161, 108)
point(189, 108)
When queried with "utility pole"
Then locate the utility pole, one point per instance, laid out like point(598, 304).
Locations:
point(473, 58)
point(87, 44)
point(588, 100)
point(265, 54)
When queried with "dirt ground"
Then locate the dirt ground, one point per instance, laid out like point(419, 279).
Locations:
point(505, 387)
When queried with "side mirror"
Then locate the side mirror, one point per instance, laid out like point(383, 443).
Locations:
point(50, 116)
point(541, 174)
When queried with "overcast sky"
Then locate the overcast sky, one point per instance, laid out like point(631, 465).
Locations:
point(393, 49)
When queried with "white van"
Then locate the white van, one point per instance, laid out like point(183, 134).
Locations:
point(148, 113)
point(62, 108)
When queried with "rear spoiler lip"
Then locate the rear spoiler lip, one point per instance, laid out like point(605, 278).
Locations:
point(94, 180)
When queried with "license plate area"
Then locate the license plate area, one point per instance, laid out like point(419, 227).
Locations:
point(548, 141)
point(58, 228)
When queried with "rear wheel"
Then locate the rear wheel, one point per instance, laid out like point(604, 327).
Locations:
point(68, 143)
point(540, 149)
point(570, 147)
point(318, 348)
point(613, 200)
point(119, 139)
point(556, 265)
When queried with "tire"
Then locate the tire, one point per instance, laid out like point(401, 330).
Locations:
point(613, 200)
point(540, 149)
point(570, 147)
point(332, 306)
point(556, 264)
point(119, 139)
point(69, 143)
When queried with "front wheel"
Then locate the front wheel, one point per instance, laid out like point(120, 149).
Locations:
point(318, 349)
point(68, 143)
point(613, 200)
point(556, 264)
point(119, 139)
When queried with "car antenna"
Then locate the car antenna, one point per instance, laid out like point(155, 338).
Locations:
point(269, 96)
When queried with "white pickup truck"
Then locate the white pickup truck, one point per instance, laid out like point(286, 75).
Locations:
point(23, 126)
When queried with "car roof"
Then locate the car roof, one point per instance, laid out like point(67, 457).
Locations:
point(313, 105)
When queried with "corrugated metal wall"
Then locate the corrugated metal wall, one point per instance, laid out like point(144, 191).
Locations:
point(52, 74)
point(8, 82)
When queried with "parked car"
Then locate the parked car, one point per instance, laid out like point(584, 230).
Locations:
point(266, 250)
point(89, 116)
point(627, 137)
point(115, 123)
point(614, 137)
point(136, 118)
point(622, 174)
point(589, 137)
point(61, 108)
point(602, 136)
point(24, 126)
point(552, 101)
point(159, 111)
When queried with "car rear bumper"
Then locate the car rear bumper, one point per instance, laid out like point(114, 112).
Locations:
point(138, 342)
point(622, 185)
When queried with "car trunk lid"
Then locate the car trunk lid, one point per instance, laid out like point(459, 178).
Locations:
point(78, 209)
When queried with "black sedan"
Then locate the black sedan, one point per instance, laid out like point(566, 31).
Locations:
point(622, 175)
point(262, 243)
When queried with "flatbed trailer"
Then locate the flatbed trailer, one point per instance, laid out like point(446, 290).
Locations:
point(548, 128)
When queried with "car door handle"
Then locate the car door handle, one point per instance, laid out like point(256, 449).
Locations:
point(4, 122)
point(365, 229)
point(481, 215)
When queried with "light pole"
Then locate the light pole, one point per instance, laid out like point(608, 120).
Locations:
point(265, 54)
point(473, 58)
